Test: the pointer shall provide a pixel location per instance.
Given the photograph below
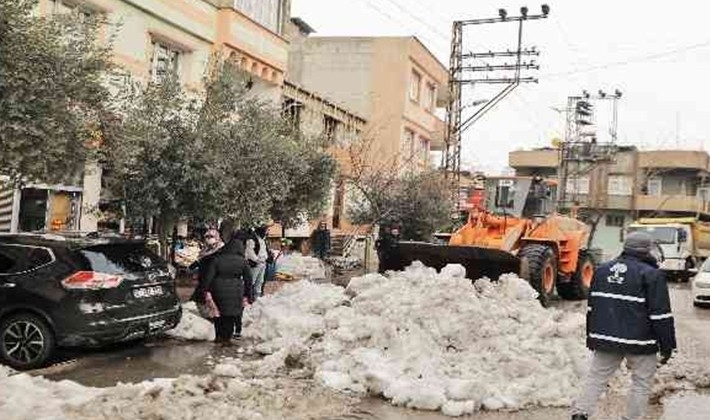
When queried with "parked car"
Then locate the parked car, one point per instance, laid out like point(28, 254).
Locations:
point(701, 285)
point(59, 291)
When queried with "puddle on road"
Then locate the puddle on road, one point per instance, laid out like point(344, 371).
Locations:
point(138, 362)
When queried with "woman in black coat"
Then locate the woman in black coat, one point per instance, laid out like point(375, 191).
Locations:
point(228, 278)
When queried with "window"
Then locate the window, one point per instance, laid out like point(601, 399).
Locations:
point(267, 13)
point(662, 235)
point(291, 110)
point(423, 149)
point(165, 62)
point(430, 97)
point(578, 185)
point(407, 142)
point(615, 220)
point(654, 187)
point(82, 11)
point(620, 185)
point(415, 86)
point(16, 259)
point(330, 128)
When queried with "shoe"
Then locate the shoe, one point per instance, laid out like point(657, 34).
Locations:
point(580, 417)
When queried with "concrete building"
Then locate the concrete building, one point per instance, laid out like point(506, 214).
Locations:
point(152, 39)
point(395, 83)
point(315, 115)
point(635, 184)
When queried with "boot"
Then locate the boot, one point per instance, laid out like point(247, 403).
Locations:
point(579, 417)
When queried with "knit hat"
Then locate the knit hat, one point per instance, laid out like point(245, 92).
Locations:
point(639, 242)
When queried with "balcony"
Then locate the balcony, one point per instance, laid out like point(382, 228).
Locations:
point(674, 203)
point(548, 158)
point(674, 159)
point(438, 136)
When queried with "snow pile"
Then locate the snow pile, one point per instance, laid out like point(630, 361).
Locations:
point(424, 340)
point(192, 326)
point(301, 266)
point(683, 373)
point(23, 397)
point(5, 371)
point(687, 407)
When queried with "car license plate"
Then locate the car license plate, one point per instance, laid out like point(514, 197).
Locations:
point(146, 292)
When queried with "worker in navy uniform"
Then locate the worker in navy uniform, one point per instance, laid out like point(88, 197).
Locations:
point(628, 319)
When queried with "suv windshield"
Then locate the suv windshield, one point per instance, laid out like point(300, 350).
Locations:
point(662, 235)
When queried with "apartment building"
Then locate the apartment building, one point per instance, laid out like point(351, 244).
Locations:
point(634, 184)
point(395, 83)
point(153, 38)
point(315, 115)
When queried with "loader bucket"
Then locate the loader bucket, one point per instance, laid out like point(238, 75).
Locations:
point(479, 262)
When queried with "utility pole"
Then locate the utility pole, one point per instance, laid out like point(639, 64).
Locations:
point(580, 152)
point(462, 72)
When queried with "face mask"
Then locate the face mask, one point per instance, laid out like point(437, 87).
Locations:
point(211, 241)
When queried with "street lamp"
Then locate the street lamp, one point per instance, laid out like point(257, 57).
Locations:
point(545, 9)
point(503, 13)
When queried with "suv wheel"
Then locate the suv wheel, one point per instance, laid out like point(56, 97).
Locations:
point(26, 342)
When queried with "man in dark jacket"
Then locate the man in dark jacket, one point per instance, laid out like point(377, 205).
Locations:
point(385, 245)
point(628, 318)
point(321, 241)
point(228, 279)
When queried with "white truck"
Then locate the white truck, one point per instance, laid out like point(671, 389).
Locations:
point(685, 242)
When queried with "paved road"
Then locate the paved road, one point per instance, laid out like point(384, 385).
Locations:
point(164, 358)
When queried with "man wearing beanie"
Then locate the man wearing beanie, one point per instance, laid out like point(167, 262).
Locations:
point(628, 318)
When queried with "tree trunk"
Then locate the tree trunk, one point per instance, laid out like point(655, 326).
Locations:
point(168, 223)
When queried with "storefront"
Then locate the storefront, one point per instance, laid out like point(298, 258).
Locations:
point(40, 208)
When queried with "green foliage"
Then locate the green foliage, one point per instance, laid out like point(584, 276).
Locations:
point(219, 153)
point(419, 203)
point(52, 100)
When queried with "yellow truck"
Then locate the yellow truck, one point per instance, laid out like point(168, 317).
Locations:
point(685, 242)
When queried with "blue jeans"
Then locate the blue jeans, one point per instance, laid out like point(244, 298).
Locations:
point(257, 275)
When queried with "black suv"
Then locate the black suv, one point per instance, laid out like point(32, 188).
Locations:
point(76, 291)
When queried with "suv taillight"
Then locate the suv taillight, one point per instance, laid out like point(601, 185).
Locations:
point(92, 280)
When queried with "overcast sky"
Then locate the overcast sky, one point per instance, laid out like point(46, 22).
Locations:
point(656, 53)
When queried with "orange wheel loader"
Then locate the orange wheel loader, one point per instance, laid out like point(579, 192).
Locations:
point(513, 229)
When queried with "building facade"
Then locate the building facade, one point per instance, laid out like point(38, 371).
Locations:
point(151, 39)
point(611, 195)
point(314, 116)
point(395, 83)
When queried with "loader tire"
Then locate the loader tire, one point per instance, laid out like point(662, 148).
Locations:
point(580, 283)
point(539, 268)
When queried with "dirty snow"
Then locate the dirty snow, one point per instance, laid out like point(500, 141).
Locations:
point(23, 397)
point(687, 407)
point(302, 267)
point(423, 340)
point(192, 326)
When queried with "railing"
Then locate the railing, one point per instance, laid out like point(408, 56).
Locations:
point(351, 240)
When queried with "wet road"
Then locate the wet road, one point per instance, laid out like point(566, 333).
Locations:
point(166, 358)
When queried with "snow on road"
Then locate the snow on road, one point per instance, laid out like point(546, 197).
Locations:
point(424, 340)
point(687, 407)
point(192, 326)
point(23, 397)
point(416, 338)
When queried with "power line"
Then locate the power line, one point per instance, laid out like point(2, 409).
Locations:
point(634, 60)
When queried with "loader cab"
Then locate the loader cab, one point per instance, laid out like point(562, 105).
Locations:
point(521, 197)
